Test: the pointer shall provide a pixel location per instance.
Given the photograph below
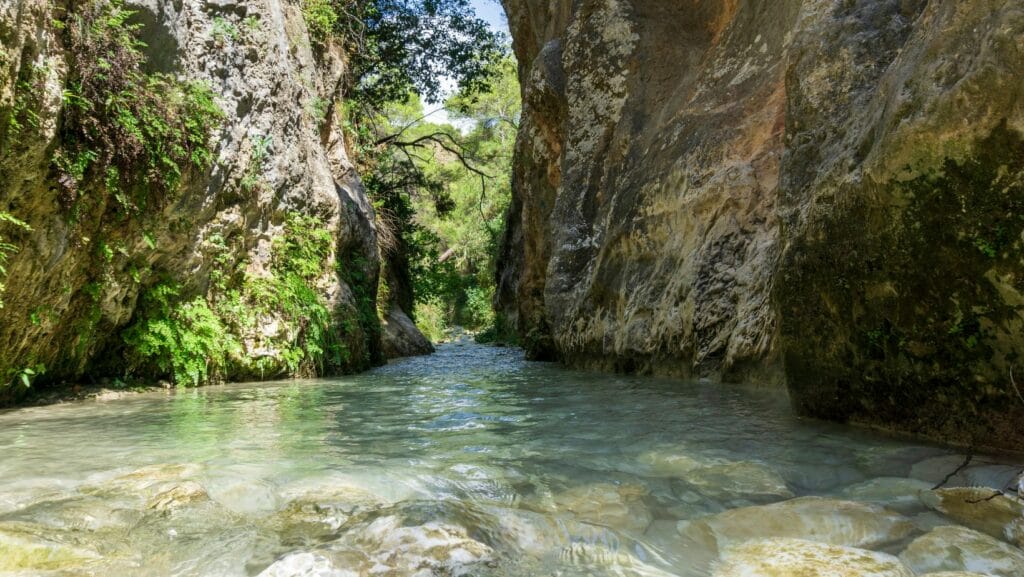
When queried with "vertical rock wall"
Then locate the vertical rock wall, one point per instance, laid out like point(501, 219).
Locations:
point(820, 193)
point(65, 304)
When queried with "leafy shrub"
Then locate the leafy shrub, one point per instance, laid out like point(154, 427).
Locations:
point(132, 132)
point(6, 249)
point(183, 340)
point(431, 319)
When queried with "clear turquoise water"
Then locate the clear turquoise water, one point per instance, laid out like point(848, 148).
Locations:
point(541, 470)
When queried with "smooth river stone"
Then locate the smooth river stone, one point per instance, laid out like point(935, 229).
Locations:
point(617, 506)
point(982, 509)
point(667, 463)
point(980, 472)
point(954, 548)
point(22, 550)
point(306, 564)
point(175, 495)
point(741, 480)
point(899, 493)
point(800, 558)
point(432, 548)
point(818, 519)
point(146, 482)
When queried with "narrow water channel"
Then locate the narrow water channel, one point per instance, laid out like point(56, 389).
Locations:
point(468, 462)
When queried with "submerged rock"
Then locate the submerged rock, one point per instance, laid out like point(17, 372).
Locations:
point(985, 510)
point(22, 550)
point(898, 493)
point(668, 463)
point(617, 506)
point(742, 480)
point(800, 558)
point(178, 495)
point(953, 548)
point(828, 521)
point(398, 550)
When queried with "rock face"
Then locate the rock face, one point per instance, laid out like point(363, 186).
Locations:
point(824, 194)
point(75, 283)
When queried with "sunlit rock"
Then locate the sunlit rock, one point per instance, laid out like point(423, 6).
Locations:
point(899, 493)
point(23, 550)
point(985, 510)
point(177, 495)
point(954, 548)
point(799, 558)
point(818, 519)
point(602, 559)
point(742, 480)
point(396, 549)
point(306, 565)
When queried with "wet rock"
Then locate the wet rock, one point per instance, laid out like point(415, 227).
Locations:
point(602, 559)
point(22, 550)
point(951, 472)
point(898, 493)
point(178, 495)
point(668, 463)
point(399, 550)
point(954, 548)
point(986, 510)
point(743, 480)
point(795, 557)
point(306, 565)
point(254, 497)
point(954, 574)
point(616, 506)
point(318, 514)
point(818, 519)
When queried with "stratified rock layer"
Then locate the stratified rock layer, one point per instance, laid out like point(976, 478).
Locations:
point(825, 194)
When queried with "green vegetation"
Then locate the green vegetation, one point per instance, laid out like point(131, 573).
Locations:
point(254, 327)
point(7, 248)
point(441, 192)
point(125, 134)
point(397, 47)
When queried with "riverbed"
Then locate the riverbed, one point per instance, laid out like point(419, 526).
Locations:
point(471, 461)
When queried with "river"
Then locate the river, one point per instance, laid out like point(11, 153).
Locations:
point(472, 461)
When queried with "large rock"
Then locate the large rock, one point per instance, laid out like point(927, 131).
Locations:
point(27, 552)
point(953, 548)
point(401, 337)
point(795, 557)
point(985, 510)
point(821, 193)
point(897, 493)
point(818, 519)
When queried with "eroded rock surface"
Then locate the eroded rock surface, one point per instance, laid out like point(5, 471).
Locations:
point(825, 194)
point(80, 278)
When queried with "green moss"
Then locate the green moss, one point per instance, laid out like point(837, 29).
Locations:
point(918, 336)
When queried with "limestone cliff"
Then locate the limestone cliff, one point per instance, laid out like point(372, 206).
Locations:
point(80, 276)
point(821, 193)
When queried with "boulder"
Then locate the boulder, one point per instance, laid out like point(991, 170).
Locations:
point(828, 521)
point(954, 548)
point(982, 509)
point(800, 558)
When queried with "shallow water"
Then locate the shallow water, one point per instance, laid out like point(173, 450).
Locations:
point(472, 461)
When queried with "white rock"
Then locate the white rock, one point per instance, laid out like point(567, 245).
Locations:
point(306, 565)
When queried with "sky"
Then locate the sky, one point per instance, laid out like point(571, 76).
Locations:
point(492, 12)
